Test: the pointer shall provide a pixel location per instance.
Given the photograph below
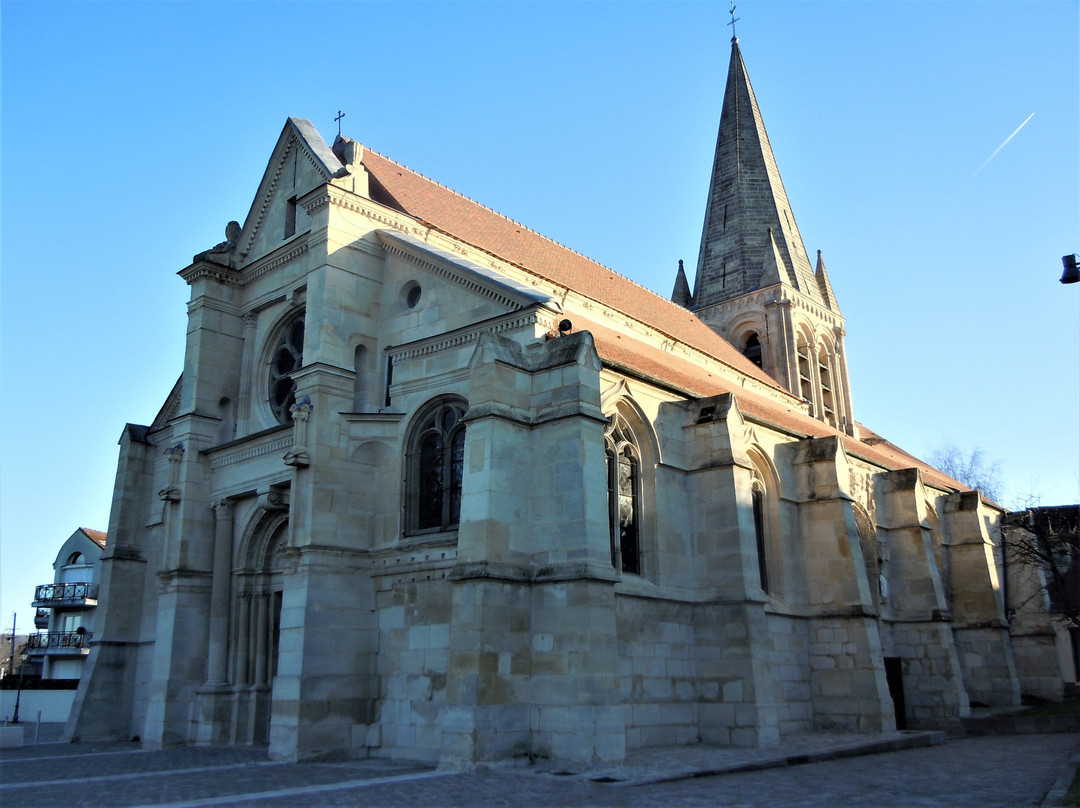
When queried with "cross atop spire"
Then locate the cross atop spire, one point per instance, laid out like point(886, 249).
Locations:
point(734, 20)
point(341, 115)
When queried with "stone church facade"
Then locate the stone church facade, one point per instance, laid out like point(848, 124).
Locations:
point(432, 486)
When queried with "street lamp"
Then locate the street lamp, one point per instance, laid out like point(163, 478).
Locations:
point(1071, 273)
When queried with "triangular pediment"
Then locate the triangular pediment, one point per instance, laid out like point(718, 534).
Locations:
point(301, 161)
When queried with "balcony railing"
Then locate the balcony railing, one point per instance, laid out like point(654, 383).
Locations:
point(41, 618)
point(59, 642)
point(81, 593)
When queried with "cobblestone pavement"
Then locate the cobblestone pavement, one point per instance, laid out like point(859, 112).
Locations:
point(987, 772)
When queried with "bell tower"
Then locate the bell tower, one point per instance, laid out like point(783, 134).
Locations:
point(755, 284)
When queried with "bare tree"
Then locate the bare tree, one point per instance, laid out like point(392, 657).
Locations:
point(1046, 542)
point(969, 468)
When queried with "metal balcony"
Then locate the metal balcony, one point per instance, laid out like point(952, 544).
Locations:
point(41, 618)
point(59, 642)
point(81, 593)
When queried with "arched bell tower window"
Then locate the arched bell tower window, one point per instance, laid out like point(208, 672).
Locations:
point(435, 467)
point(624, 495)
point(287, 358)
point(752, 351)
point(806, 380)
point(828, 405)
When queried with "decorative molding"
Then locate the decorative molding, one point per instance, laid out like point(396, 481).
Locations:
point(463, 336)
point(271, 262)
point(251, 452)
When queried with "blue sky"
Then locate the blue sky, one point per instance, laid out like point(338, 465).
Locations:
point(133, 132)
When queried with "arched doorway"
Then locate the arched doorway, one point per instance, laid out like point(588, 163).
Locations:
point(256, 632)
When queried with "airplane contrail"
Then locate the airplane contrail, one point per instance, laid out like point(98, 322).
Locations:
point(1002, 146)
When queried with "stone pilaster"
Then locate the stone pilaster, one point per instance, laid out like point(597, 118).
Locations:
point(979, 626)
point(215, 696)
point(325, 692)
point(848, 685)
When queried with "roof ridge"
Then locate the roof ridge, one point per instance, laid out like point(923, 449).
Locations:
point(548, 239)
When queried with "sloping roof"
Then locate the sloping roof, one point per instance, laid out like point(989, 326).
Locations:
point(456, 215)
point(452, 213)
point(98, 537)
point(659, 367)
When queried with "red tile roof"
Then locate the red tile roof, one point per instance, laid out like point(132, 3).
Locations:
point(493, 233)
point(451, 213)
point(96, 536)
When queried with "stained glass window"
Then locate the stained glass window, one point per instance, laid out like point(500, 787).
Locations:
point(624, 485)
point(288, 357)
point(436, 468)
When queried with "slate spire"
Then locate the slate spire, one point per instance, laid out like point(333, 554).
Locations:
point(746, 200)
point(680, 295)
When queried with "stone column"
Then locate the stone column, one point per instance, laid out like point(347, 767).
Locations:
point(247, 367)
point(262, 609)
point(243, 655)
point(218, 654)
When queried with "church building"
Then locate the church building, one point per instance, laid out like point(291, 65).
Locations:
point(433, 486)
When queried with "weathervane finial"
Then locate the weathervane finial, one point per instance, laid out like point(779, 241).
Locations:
point(734, 20)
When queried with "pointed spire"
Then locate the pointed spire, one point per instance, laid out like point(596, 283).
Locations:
point(746, 199)
point(773, 269)
point(824, 285)
point(681, 294)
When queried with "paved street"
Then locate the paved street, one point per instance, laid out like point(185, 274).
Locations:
point(986, 772)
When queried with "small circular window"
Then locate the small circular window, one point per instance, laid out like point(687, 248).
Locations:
point(288, 357)
point(412, 292)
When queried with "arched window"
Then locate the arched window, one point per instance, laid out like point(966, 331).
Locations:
point(624, 495)
point(436, 466)
point(758, 495)
point(752, 351)
point(287, 358)
point(764, 497)
point(75, 558)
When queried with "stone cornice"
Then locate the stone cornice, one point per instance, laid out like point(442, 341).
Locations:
point(209, 269)
point(453, 339)
point(279, 438)
point(281, 256)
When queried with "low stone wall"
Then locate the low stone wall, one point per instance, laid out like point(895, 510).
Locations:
point(53, 705)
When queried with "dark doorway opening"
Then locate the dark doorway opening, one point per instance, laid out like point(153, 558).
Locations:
point(894, 676)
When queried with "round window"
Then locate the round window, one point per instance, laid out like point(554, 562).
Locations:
point(412, 294)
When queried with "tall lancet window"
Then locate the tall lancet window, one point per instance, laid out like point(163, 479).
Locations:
point(436, 466)
point(758, 496)
point(764, 500)
point(624, 496)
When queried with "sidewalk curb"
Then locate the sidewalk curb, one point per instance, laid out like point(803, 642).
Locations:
point(911, 740)
point(1057, 791)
